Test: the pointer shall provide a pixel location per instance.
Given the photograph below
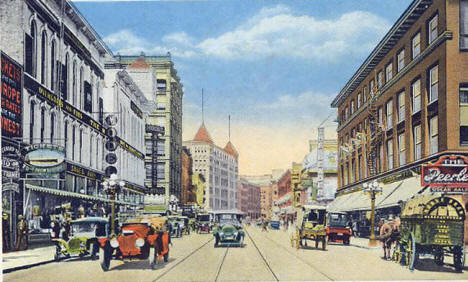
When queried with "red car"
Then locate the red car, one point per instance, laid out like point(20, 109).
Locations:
point(337, 229)
point(138, 240)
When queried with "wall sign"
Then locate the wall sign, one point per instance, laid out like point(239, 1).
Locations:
point(11, 165)
point(12, 97)
point(448, 174)
point(136, 110)
point(83, 172)
point(44, 158)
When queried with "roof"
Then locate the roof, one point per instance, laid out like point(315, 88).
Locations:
point(231, 150)
point(401, 26)
point(202, 135)
point(139, 63)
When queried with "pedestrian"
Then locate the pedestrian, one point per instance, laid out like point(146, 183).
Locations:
point(5, 232)
point(22, 231)
point(292, 233)
point(66, 229)
point(385, 234)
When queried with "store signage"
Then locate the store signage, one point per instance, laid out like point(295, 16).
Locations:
point(136, 110)
point(131, 149)
point(83, 172)
point(448, 174)
point(12, 97)
point(47, 95)
point(44, 158)
point(11, 165)
point(10, 187)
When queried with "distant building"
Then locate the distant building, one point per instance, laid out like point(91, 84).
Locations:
point(187, 193)
point(285, 196)
point(198, 184)
point(249, 199)
point(219, 166)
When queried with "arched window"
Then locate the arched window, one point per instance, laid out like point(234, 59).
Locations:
point(81, 145)
point(42, 124)
point(43, 57)
point(65, 135)
point(65, 78)
point(52, 65)
point(30, 50)
point(74, 73)
point(52, 128)
point(73, 142)
point(98, 155)
point(31, 122)
point(81, 98)
point(91, 141)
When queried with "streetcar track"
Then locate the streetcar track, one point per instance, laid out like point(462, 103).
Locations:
point(182, 260)
point(299, 258)
point(221, 264)
point(261, 254)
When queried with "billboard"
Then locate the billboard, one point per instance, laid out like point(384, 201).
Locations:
point(12, 97)
point(448, 174)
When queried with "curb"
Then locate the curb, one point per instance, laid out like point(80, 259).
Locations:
point(26, 266)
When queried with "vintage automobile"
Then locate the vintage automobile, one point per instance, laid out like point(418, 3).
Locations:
point(431, 224)
point(228, 231)
point(177, 226)
point(203, 223)
point(275, 224)
point(83, 240)
point(311, 222)
point(337, 228)
point(140, 239)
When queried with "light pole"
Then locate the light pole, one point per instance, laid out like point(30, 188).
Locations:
point(112, 186)
point(372, 189)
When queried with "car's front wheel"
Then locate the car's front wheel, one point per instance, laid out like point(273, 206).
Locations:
point(104, 258)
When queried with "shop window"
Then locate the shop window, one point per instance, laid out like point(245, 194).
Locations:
point(433, 135)
point(432, 29)
point(433, 84)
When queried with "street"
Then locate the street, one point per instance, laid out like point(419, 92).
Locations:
point(266, 256)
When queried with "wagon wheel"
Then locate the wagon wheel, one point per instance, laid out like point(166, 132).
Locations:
point(439, 256)
point(397, 252)
point(459, 257)
point(411, 252)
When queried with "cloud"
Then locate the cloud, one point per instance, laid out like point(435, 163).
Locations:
point(277, 31)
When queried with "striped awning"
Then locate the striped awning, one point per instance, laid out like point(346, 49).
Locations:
point(63, 193)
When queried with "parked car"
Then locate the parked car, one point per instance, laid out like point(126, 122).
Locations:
point(141, 238)
point(83, 240)
point(228, 231)
point(337, 228)
point(275, 224)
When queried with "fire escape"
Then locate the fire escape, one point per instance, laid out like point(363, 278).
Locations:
point(376, 132)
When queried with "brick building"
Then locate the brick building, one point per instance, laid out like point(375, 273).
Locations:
point(186, 191)
point(249, 199)
point(405, 106)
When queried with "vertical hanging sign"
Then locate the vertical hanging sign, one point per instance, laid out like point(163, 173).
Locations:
point(12, 97)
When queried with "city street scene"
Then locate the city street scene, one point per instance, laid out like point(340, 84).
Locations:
point(231, 140)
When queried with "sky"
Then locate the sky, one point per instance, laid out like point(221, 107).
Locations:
point(274, 66)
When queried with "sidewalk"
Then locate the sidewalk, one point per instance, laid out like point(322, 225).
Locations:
point(12, 261)
point(364, 243)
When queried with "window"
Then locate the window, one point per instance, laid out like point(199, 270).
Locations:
point(52, 66)
point(432, 29)
point(417, 142)
point(91, 141)
point(416, 95)
point(31, 122)
point(43, 57)
point(81, 145)
point(161, 84)
point(73, 142)
point(64, 78)
point(65, 135)
point(161, 147)
point(433, 84)
point(380, 79)
point(351, 108)
point(464, 114)
point(416, 45)
point(389, 72)
point(464, 24)
point(74, 74)
point(380, 115)
point(52, 128)
point(371, 87)
point(161, 106)
point(81, 99)
point(401, 149)
point(364, 94)
point(401, 60)
point(401, 106)
point(390, 154)
point(359, 100)
point(30, 50)
point(42, 124)
point(161, 121)
point(433, 135)
point(389, 114)
point(160, 171)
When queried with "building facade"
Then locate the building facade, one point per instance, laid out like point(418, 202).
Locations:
point(219, 167)
point(249, 199)
point(405, 106)
point(187, 194)
point(198, 184)
point(166, 91)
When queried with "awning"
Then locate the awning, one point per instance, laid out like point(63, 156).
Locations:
point(408, 188)
point(284, 199)
point(64, 193)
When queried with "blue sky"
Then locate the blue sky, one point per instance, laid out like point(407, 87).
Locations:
point(274, 66)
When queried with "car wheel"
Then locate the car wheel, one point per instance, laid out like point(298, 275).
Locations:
point(104, 258)
point(241, 242)
point(346, 240)
point(94, 250)
point(152, 257)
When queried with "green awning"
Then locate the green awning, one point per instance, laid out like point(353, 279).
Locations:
point(64, 193)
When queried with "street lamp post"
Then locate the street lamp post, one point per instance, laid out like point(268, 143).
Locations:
point(372, 189)
point(112, 188)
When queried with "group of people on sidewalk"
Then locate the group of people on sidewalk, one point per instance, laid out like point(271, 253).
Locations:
point(21, 234)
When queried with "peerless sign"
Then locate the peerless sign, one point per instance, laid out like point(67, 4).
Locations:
point(448, 174)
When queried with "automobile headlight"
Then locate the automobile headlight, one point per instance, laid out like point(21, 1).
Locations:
point(140, 242)
point(235, 234)
point(221, 233)
point(52, 224)
point(114, 243)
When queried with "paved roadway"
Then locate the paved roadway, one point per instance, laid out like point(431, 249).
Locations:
point(267, 256)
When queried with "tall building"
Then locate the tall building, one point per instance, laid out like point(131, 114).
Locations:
point(187, 194)
point(198, 184)
point(405, 107)
point(249, 199)
point(219, 166)
point(164, 87)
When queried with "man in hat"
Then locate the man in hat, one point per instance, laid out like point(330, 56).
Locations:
point(22, 231)
point(6, 232)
